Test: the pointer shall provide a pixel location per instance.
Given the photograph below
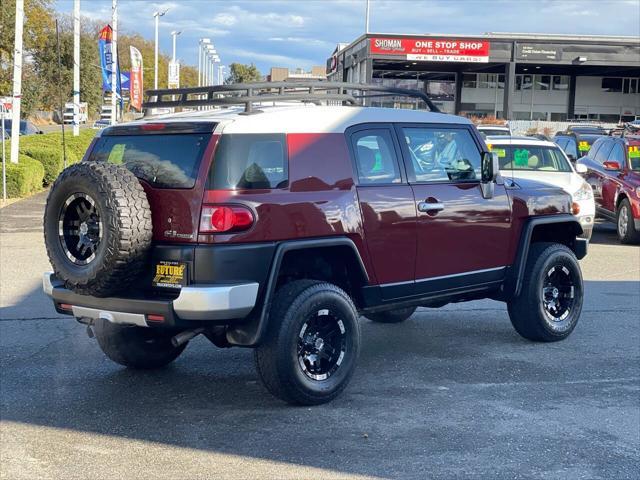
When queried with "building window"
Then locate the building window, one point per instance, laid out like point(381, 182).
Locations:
point(560, 82)
point(630, 85)
point(611, 84)
point(501, 81)
point(469, 80)
point(543, 82)
point(524, 82)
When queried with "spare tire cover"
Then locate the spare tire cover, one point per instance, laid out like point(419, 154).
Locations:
point(97, 228)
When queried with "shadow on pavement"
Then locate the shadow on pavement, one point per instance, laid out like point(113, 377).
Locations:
point(447, 392)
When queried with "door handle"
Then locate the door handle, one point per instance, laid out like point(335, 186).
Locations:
point(430, 207)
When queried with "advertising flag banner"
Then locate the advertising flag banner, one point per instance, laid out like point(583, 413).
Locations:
point(106, 58)
point(432, 50)
point(136, 80)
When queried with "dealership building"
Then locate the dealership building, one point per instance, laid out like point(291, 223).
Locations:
point(548, 77)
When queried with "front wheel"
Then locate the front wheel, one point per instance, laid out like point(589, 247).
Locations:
point(312, 343)
point(549, 304)
point(626, 227)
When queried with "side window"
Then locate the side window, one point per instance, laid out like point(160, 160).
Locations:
point(603, 152)
point(442, 154)
point(376, 159)
point(617, 154)
point(595, 147)
point(249, 161)
point(571, 149)
point(562, 142)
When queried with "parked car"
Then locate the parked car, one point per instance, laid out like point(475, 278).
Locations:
point(613, 170)
point(586, 128)
point(26, 127)
point(276, 230)
point(529, 158)
point(576, 145)
point(494, 130)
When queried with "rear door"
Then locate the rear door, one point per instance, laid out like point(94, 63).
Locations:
point(462, 237)
point(387, 206)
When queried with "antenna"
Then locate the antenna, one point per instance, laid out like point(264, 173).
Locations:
point(64, 146)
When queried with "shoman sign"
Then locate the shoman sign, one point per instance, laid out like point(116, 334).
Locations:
point(433, 50)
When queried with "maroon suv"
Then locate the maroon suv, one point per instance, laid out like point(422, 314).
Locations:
point(275, 227)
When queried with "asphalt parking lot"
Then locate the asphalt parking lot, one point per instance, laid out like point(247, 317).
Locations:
point(451, 393)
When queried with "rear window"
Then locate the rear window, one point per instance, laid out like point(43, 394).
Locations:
point(249, 161)
point(531, 158)
point(164, 161)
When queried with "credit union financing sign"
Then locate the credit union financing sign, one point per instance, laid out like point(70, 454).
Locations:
point(432, 50)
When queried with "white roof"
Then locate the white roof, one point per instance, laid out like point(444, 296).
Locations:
point(504, 140)
point(487, 126)
point(303, 118)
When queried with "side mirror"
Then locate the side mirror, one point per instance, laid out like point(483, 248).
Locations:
point(581, 168)
point(489, 167)
point(610, 165)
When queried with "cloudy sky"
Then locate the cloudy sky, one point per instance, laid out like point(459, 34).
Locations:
point(301, 33)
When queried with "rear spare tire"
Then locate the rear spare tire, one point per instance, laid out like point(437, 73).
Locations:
point(97, 228)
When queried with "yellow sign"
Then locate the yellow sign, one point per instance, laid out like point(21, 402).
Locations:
point(169, 274)
point(584, 146)
point(634, 151)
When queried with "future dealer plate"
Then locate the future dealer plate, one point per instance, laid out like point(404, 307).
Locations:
point(169, 274)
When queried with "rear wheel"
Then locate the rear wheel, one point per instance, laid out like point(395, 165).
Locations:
point(626, 227)
point(136, 347)
point(312, 343)
point(549, 304)
point(392, 316)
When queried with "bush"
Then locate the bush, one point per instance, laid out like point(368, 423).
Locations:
point(50, 158)
point(23, 178)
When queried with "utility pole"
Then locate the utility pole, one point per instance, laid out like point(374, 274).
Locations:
point(114, 60)
point(76, 68)
point(157, 16)
point(366, 24)
point(17, 82)
point(174, 34)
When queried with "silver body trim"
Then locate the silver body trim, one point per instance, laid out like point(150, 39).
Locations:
point(453, 275)
point(201, 302)
point(216, 302)
point(121, 318)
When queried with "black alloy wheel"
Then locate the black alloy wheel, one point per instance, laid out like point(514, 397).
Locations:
point(80, 228)
point(322, 345)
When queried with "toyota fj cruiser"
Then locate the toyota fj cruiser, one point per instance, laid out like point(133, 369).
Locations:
point(274, 227)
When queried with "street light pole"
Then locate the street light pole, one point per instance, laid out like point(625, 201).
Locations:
point(76, 68)
point(157, 16)
point(114, 61)
point(174, 34)
point(17, 82)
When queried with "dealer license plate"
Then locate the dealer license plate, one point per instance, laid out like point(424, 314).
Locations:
point(169, 274)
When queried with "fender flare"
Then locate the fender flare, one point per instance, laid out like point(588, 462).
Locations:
point(250, 333)
point(514, 278)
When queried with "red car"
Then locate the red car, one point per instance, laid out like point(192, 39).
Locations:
point(275, 227)
point(613, 171)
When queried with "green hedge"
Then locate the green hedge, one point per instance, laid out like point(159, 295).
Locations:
point(46, 150)
point(23, 178)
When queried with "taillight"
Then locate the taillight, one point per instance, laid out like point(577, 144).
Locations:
point(219, 219)
point(153, 127)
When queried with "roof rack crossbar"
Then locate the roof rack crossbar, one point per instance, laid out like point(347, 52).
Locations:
point(249, 93)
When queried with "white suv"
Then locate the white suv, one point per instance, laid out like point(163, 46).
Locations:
point(530, 158)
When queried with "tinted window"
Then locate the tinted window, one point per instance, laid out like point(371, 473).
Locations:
point(164, 161)
point(617, 154)
point(562, 142)
point(486, 132)
point(439, 154)
point(603, 152)
point(375, 157)
point(531, 158)
point(634, 157)
point(250, 161)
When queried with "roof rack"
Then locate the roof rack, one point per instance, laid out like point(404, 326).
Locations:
point(302, 91)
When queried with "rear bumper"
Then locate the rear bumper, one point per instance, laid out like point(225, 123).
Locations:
point(215, 303)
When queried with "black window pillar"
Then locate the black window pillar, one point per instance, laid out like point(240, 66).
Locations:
point(458, 101)
point(509, 85)
point(571, 107)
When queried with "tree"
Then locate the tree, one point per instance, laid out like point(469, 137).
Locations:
point(241, 73)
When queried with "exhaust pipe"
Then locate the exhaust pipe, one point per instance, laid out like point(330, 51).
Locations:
point(184, 337)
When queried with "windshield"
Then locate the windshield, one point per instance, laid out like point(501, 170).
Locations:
point(486, 132)
point(164, 161)
point(531, 158)
point(634, 157)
